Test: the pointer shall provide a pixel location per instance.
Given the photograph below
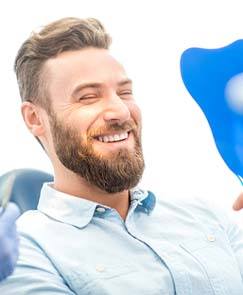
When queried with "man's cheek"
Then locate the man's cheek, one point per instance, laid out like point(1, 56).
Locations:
point(136, 113)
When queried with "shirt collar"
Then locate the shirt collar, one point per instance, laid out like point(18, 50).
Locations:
point(142, 200)
point(78, 211)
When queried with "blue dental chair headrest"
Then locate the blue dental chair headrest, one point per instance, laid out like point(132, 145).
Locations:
point(26, 187)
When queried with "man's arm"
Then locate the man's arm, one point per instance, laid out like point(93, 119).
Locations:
point(8, 240)
point(34, 273)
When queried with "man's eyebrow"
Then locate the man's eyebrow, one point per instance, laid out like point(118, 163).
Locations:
point(97, 85)
point(85, 85)
point(124, 82)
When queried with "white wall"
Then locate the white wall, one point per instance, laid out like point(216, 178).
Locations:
point(149, 37)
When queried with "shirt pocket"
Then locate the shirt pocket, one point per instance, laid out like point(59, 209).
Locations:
point(214, 255)
point(102, 278)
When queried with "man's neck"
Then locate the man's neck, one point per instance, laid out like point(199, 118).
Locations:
point(77, 186)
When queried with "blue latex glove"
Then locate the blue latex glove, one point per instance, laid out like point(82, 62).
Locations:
point(8, 240)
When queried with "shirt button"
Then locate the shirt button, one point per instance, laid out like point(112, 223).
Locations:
point(100, 209)
point(211, 238)
point(100, 268)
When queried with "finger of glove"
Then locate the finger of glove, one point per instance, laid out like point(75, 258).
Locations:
point(8, 256)
point(10, 214)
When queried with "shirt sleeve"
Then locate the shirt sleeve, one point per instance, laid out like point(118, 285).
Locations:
point(34, 274)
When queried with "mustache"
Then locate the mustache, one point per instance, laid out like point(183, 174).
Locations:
point(111, 127)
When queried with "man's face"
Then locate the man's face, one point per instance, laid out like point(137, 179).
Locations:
point(95, 123)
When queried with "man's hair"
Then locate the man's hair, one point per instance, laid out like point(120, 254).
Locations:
point(66, 34)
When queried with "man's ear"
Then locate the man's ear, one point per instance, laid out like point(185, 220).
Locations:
point(33, 117)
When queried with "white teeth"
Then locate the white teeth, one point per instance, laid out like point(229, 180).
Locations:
point(115, 137)
point(111, 138)
point(123, 135)
point(105, 138)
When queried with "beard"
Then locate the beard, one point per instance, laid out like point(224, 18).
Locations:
point(120, 170)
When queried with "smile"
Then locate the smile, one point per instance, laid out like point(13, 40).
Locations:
point(114, 137)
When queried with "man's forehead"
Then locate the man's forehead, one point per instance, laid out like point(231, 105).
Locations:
point(87, 58)
point(88, 62)
point(71, 68)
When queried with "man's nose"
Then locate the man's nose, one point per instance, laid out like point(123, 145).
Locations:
point(116, 110)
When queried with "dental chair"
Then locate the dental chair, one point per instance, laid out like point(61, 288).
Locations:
point(25, 186)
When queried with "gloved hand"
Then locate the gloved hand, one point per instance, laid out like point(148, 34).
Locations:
point(8, 240)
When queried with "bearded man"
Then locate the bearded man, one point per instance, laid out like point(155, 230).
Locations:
point(95, 231)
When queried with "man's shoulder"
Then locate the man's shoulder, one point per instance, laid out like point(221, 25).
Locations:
point(194, 207)
point(186, 202)
point(31, 215)
point(32, 221)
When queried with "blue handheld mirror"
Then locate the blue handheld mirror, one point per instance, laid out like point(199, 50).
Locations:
point(214, 78)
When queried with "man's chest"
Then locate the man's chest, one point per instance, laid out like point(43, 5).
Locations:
point(104, 259)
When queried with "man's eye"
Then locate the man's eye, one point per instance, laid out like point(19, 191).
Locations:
point(126, 92)
point(88, 96)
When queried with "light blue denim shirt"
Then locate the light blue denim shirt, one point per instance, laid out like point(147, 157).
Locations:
point(173, 246)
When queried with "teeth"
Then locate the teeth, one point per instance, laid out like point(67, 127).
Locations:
point(123, 135)
point(112, 138)
point(105, 138)
point(116, 137)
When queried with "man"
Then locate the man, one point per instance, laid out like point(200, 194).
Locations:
point(8, 240)
point(95, 231)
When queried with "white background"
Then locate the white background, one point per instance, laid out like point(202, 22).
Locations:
point(148, 38)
